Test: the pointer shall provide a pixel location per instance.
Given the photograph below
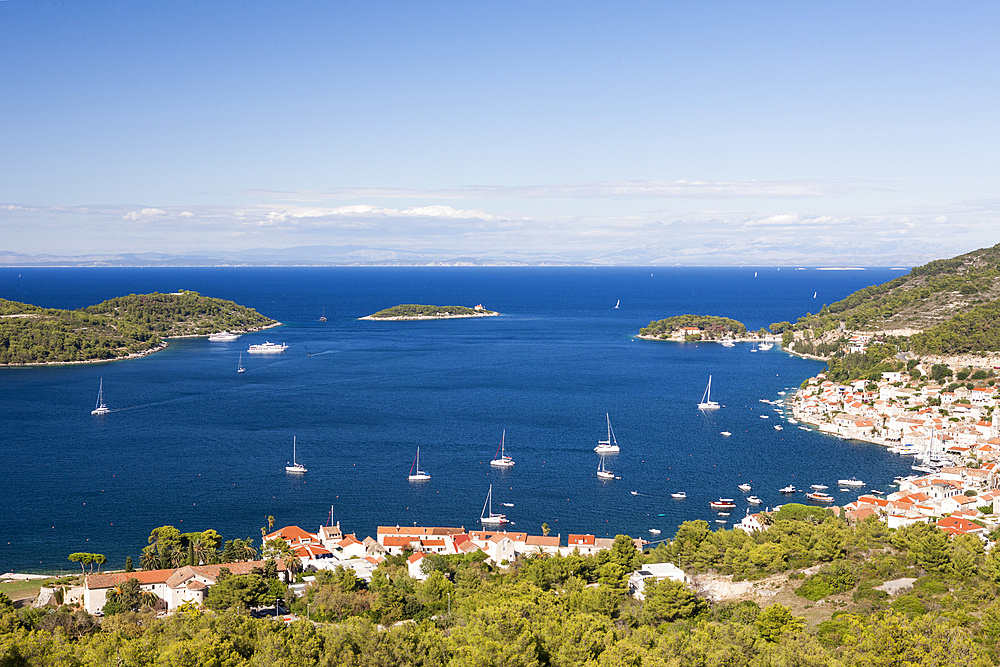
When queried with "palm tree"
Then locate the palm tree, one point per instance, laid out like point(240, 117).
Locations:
point(150, 559)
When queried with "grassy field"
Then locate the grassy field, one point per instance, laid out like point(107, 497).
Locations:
point(21, 590)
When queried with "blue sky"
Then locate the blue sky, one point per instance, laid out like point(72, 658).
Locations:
point(660, 133)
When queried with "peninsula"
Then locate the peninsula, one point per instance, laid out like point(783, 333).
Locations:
point(413, 311)
point(119, 328)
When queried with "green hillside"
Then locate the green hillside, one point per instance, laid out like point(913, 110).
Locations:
point(416, 310)
point(115, 328)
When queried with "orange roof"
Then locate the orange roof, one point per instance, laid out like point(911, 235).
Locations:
point(415, 557)
point(292, 535)
point(418, 531)
point(580, 540)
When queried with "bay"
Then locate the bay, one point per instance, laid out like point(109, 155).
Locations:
point(193, 444)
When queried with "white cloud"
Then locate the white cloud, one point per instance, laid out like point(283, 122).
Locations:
point(186, 214)
point(144, 213)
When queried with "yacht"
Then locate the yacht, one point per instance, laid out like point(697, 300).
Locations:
point(722, 504)
point(820, 497)
point(502, 460)
point(706, 400)
point(609, 446)
point(239, 365)
point(777, 427)
point(679, 495)
point(754, 500)
point(101, 408)
point(744, 487)
point(223, 337)
point(728, 342)
point(787, 489)
point(820, 487)
point(765, 346)
point(267, 347)
point(488, 517)
point(654, 531)
point(602, 473)
point(295, 467)
point(416, 474)
point(850, 482)
point(725, 433)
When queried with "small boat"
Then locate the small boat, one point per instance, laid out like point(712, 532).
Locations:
point(706, 400)
point(507, 504)
point(728, 342)
point(655, 531)
point(814, 295)
point(803, 428)
point(416, 474)
point(765, 346)
point(488, 517)
point(753, 348)
point(223, 337)
point(787, 489)
point(850, 482)
point(680, 495)
point(609, 446)
point(295, 467)
point(239, 365)
point(777, 427)
point(792, 421)
point(744, 487)
point(322, 318)
point(722, 504)
point(765, 416)
point(502, 461)
point(820, 497)
point(877, 493)
point(820, 487)
point(634, 493)
point(602, 473)
point(267, 348)
point(720, 521)
point(725, 433)
point(619, 303)
point(754, 500)
point(101, 408)
point(782, 393)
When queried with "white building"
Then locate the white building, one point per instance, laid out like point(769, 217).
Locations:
point(656, 572)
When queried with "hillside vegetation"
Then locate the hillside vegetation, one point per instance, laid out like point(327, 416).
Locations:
point(115, 328)
point(711, 327)
point(562, 611)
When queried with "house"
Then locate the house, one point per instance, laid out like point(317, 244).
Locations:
point(655, 572)
point(956, 526)
point(413, 564)
point(173, 587)
point(751, 523)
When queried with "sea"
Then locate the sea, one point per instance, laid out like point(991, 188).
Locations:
point(191, 443)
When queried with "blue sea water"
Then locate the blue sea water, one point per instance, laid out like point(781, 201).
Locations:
point(193, 444)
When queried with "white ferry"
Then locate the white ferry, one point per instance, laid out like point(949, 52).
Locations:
point(267, 347)
point(223, 337)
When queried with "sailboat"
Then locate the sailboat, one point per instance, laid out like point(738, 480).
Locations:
point(295, 467)
point(489, 517)
point(502, 461)
point(416, 474)
point(322, 318)
point(609, 446)
point(706, 400)
point(602, 472)
point(619, 303)
point(101, 408)
point(814, 295)
point(239, 365)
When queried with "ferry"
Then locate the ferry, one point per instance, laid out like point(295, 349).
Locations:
point(223, 337)
point(267, 347)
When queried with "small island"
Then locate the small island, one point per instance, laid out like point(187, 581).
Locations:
point(413, 311)
point(698, 327)
point(120, 328)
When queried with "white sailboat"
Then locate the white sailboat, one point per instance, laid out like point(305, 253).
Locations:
point(416, 474)
point(602, 472)
point(295, 466)
point(706, 400)
point(619, 303)
point(488, 517)
point(609, 446)
point(239, 365)
point(766, 345)
point(502, 461)
point(101, 408)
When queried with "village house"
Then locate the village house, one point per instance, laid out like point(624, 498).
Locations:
point(653, 572)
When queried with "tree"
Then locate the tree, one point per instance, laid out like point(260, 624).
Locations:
point(129, 596)
point(669, 600)
point(128, 564)
point(82, 559)
point(239, 592)
point(777, 620)
point(545, 529)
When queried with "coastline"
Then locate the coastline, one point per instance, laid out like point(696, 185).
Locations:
point(135, 355)
point(673, 339)
point(427, 317)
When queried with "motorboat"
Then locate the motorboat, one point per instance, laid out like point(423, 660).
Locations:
point(850, 482)
point(725, 433)
point(765, 346)
point(722, 504)
point(788, 489)
point(820, 487)
point(820, 497)
point(777, 427)
point(679, 495)
point(267, 347)
point(744, 487)
point(655, 531)
point(754, 500)
point(223, 337)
